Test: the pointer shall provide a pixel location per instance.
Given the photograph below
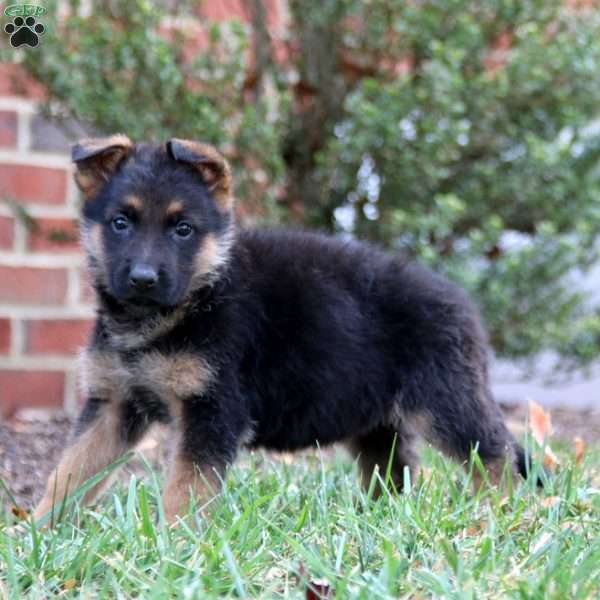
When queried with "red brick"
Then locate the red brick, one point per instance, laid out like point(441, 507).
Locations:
point(30, 389)
point(33, 286)
point(224, 10)
point(580, 4)
point(7, 234)
point(61, 336)
point(54, 235)
point(4, 336)
point(15, 82)
point(8, 128)
point(33, 184)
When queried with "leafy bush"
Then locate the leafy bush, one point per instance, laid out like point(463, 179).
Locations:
point(459, 131)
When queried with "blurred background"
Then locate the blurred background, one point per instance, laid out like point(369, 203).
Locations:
point(464, 133)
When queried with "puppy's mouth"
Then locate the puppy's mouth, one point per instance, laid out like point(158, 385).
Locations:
point(136, 307)
point(142, 301)
point(142, 305)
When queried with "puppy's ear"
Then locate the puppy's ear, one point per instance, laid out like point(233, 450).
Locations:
point(97, 159)
point(210, 163)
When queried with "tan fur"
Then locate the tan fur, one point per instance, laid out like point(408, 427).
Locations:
point(117, 139)
point(134, 202)
point(172, 377)
point(211, 258)
point(103, 374)
point(215, 170)
point(106, 375)
point(96, 159)
point(91, 239)
point(122, 337)
point(175, 207)
point(91, 452)
point(188, 481)
point(178, 375)
point(419, 422)
point(86, 182)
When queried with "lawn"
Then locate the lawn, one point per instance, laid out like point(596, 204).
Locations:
point(283, 526)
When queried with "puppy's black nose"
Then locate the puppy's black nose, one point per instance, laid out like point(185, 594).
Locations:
point(143, 277)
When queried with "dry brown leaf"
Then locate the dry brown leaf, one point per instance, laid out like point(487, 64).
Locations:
point(70, 583)
point(550, 459)
point(540, 422)
point(476, 527)
point(19, 512)
point(579, 450)
point(550, 501)
point(540, 425)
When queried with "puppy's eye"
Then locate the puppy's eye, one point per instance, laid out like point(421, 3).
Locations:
point(120, 223)
point(183, 229)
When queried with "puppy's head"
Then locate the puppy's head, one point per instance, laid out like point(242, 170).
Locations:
point(156, 218)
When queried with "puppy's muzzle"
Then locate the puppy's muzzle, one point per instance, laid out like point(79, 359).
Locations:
point(143, 278)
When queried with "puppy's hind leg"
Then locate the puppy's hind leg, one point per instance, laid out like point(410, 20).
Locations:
point(382, 448)
point(458, 425)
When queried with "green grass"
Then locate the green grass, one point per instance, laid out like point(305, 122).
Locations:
point(280, 526)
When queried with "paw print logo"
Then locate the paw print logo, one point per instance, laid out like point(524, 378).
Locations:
point(24, 31)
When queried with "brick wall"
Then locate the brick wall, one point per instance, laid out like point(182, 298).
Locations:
point(45, 304)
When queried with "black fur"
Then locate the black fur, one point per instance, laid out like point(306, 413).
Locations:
point(139, 409)
point(311, 339)
point(326, 339)
point(91, 411)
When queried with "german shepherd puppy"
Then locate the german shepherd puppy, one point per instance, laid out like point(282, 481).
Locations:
point(276, 339)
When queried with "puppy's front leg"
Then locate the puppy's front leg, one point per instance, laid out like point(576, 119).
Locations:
point(97, 442)
point(104, 431)
point(207, 443)
point(190, 480)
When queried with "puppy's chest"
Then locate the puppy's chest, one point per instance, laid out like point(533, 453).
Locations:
point(172, 376)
